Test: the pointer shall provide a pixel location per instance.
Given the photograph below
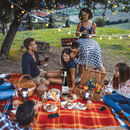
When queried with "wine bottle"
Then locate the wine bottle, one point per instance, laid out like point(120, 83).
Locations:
point(65, 84)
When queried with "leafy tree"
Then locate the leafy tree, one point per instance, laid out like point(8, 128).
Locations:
point(28, 22)
point(5, 17)
point(29, 5)
point(67, 24)
point(100, 22)
point(51, 24)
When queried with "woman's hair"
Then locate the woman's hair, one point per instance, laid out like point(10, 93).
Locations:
point(67, 51)
point(88, 11)
point(25, 113)
point(27, 42)
point(124, 75)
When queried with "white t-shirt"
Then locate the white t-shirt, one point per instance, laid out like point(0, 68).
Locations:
point(124, 89)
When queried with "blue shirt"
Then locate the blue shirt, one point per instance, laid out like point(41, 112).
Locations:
point(69, 65)
point(89, 29)
point(29, 66)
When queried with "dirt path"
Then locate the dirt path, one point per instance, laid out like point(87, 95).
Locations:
point(14, 66)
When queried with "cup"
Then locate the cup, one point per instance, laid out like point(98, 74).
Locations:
point(15, 104)
point(44, 100)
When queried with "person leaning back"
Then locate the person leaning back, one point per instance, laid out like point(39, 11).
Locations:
point(30, 61)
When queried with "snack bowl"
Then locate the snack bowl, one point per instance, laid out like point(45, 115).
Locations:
point(66, 105)
point(54, 94)
point(50, 107)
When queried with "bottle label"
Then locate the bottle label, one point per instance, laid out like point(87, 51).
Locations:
point(65, 89)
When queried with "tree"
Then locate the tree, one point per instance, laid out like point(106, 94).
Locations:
point(28, 5)
point(5, 17)
point(67, 24)
point(51, 24)
point(28, 22)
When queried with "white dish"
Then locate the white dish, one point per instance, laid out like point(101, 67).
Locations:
point(58, 94)
point(70, 106)
point(53, 108)
point(79, 106)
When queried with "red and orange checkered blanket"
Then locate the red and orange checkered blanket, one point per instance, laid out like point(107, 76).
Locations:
point(72, 118)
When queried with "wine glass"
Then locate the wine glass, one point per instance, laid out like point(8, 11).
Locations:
point(46, 59)
point(8, 76)
point(62, 69)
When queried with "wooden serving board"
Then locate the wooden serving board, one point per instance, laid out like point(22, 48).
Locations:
point(69, 97)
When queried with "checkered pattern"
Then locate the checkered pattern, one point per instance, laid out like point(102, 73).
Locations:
point(90, 52)
point(73, 118)
point(124, 123)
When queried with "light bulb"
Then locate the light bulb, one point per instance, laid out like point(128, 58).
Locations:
point(47, 25)
point(36, 20)
point(12, 6)
point(120, 37)
point(100, 38)
point(109, 37)
point(129, 35)
point(59, 29)
point(109, 1)
point(80, 34)
point(22, 12)
point(68, 32)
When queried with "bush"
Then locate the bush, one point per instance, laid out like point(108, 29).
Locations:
point(100, 22)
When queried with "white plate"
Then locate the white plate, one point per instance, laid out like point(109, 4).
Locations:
point(64, 103)
point(52, 109)
point(77, 106)
point(58, 94)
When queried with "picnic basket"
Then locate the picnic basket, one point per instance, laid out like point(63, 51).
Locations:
point(25, 83)
point(88, 73)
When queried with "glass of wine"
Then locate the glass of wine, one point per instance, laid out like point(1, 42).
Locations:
point(8, 76)
point(62, 69)
point(46, 59)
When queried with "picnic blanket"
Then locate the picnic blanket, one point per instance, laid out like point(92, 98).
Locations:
point(72, 118)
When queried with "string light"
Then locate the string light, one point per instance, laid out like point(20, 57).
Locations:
point(123, 7)
point(100, 38)
point(22, 12)
point(80, 34)
point(68, 32)
point(47, 25)
point(109, 1)
point(12, 6)
point(120, 37)
point(109, 38)
point(36, 20)
point(59, 30)
point(129, 35)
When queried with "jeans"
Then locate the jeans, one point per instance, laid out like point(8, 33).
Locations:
point(5, 90)
point(114, 98)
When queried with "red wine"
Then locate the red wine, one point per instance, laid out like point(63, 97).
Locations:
point(8, 76)
point(46, 58)
point(65, 84)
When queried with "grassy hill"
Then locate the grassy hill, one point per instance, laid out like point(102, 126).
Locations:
point(53, 36)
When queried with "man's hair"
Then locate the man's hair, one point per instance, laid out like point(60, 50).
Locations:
point(75, 45)
point(27, 42)
point(86, 10)
point(25, 113)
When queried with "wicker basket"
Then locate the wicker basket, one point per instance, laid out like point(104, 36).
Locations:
point(87, 73)
point(25, 83)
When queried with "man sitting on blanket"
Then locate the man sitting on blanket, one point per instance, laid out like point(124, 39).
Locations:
point(30, 60)
point(25, 115)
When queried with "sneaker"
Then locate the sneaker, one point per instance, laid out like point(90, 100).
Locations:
point(78, 79)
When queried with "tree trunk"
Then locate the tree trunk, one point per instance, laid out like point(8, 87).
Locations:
point(3, 28)
point(10, 36)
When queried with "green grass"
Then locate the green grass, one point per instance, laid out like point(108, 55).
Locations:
point(53, 36)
